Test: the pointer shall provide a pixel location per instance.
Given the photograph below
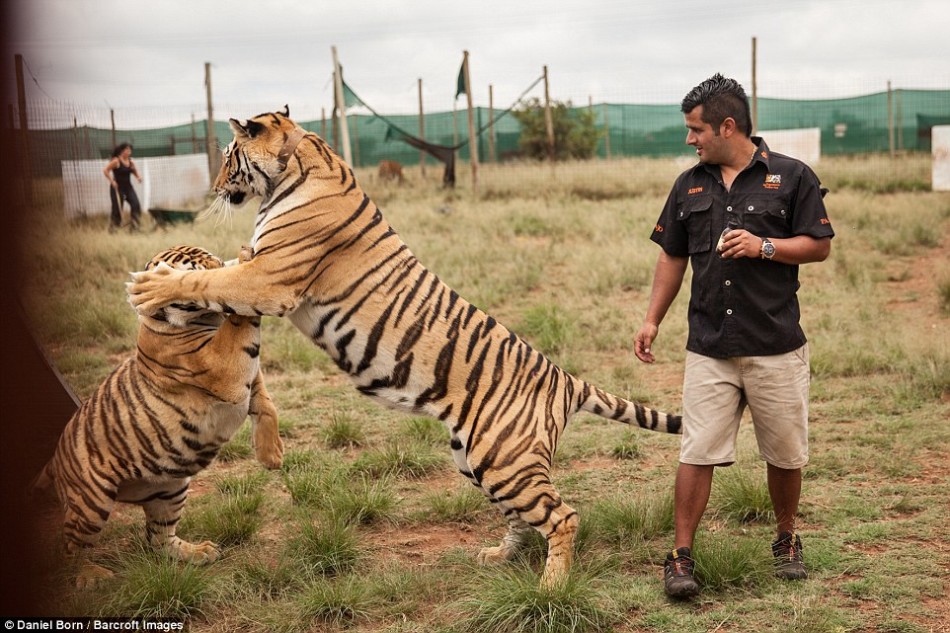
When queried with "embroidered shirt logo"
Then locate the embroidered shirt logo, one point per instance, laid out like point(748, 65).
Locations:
point(772, 181)
point(658, 229)
point(694, 190)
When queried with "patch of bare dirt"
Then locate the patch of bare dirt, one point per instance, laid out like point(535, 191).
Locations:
point(912, 282)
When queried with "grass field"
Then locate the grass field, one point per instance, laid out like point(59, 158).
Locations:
point(368, 528)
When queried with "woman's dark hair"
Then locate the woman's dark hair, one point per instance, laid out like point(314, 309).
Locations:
point(721, 98)
point(121, 147)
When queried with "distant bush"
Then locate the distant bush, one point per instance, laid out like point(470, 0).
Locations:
point(575, 131)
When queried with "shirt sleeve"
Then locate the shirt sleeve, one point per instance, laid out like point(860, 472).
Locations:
point(810, 216)
point(670, 233)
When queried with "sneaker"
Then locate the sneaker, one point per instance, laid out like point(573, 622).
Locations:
point(787, 551)
point(678, 578)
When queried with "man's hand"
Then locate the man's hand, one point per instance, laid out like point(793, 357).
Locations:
point(644, 341)
point(740, 243)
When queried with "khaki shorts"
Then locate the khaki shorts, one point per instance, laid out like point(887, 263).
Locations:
point(716, 392)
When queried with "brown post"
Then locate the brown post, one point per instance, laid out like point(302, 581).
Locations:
point(491, 124)
point(356, 142)
point(755, 91)
point(77, 144)
point(548, 120)
point(211, 143)
point(341, 107)
point(899, 118)
point(472, 139)
point(422, 133)
point(606, 133)
point(25, 161)
point(890, 119)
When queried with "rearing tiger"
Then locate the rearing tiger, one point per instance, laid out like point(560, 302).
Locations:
point(159, 419)
point(326, 259)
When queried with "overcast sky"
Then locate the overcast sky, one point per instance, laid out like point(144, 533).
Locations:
point(135, 53)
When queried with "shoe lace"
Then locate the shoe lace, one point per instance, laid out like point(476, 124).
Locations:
point(789, 549)
point(681, 565)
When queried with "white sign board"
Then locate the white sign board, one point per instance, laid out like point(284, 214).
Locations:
point(940, 147)
point(803, 144)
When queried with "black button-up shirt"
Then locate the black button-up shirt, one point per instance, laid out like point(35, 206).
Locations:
point(746, 306)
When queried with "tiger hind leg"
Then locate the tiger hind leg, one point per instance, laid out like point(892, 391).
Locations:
point(542, 508)
point(562, 531)
point(268, 447)
point(81, 527)
point(162, 513)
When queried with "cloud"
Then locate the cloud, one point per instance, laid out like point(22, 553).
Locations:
point(135, 53)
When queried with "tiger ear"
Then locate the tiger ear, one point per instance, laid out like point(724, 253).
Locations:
point(245, 128)
point(285, 111)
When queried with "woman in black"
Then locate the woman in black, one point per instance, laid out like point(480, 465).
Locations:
point(119, 173)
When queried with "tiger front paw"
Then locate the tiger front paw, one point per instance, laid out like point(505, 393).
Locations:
point(270, 453)
point(150, 291)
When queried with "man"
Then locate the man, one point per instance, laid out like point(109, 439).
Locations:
point(746, 219)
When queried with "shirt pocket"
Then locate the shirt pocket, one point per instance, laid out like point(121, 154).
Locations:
point(695, 213)
point(766, 216)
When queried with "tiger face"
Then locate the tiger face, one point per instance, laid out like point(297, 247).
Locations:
point(253, 158)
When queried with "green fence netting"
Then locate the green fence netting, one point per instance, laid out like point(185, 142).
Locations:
point(855, 125)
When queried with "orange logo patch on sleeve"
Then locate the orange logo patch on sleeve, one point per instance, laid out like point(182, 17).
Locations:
point(658, 228)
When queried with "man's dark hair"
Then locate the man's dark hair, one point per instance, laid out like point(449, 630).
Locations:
point(720, 98)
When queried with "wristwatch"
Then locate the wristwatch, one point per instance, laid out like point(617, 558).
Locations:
point(768, 249)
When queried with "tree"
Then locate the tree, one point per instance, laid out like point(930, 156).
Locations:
point(575, 131)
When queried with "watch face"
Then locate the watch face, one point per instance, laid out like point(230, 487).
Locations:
point(768, 249)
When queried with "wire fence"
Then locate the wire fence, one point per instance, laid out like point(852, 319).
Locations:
point(55, 141)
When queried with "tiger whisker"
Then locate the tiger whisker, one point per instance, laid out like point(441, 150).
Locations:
point(220, 209)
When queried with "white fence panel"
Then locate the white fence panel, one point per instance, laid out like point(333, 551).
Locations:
point(170, 182)
point(803, 144)
point(940, 148)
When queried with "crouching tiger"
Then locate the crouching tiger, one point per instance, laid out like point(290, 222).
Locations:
point(159, 419)
point(326, 259)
